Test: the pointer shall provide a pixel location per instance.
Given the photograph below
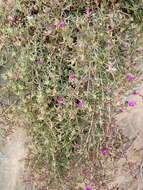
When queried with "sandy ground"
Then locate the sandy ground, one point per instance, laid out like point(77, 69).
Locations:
point(12, 163)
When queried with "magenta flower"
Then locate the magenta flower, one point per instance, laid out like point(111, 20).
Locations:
point(122, 110)
point(70, 177)
point(109, 22)
point(59, 100)
point(38, 62)
point(129, 57)
point(131, 104)
point(87, 10)
point(72, 116)
point(121, 154)
point(104, 151)
point(72, 77)
point(62, 25)
point(52, 25)
point(80, 104)
point(109, 30)
point(130, 77)
point(85, 170)
point(135, 92)
point(88, 188)
point(77, 145)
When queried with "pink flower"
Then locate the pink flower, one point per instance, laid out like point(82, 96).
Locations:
point(122, 110)
point(135, 92)
point(52, 25)
point(60, 100)
point(129, 57)
point(77, 145)
point(109, 30)
point(85, 170)
point(104, 151)
point(121, 154)
point(62, 25)
point(72, 116)
point(87, 10)
point(109, 22)
point(131, 104)
point(70, 177)
point(130, 77)
point(38, 62)
point(80, 104)
point(72, 77)
point(88, 188)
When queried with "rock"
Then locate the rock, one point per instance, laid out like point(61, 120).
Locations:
point(131, 123)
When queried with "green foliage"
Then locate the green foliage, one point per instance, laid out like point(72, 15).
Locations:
point(94, 47)
point(133, 8)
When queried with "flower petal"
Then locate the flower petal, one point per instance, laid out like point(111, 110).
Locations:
point(88, 188)
point(72, 77)
point(104, 151)
point(122, 110)
point(59, 99)
point(130, 77)
point(38, 62)
point(80, 104)
point(132, 104)
point(135, 92)
point(62, 25)
point(87, 10)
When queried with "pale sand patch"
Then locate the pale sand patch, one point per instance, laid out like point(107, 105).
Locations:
point(12, 163)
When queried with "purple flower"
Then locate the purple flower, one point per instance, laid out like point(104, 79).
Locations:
point(80, 104)
point(135, 92)
point(60, 100)
point(62, 25)
point(109, 22)
point(109, 30)
point(104, 151)
point(38, 62)
point(129, 57)
point(52, 25)
point(130, 77)
point(70, 177)
point(85, 170)
point(122, 110)
point(121, 153)
point(131, 104)
point(88, 188)
point(77, 145)
point(72, 77)
point(87, 10)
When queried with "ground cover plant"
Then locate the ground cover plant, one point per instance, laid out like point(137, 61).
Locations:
point(64, 60)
